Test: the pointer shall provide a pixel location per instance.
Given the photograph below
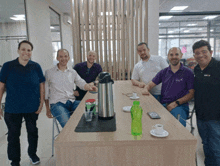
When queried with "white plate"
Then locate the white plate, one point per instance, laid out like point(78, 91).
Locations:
point(132, 98)
point(164, 134)
point(127, 108)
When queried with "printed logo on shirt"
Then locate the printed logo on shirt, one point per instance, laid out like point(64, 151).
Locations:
point(179, 80)
point(207, 75)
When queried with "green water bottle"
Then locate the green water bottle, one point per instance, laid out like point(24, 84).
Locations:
point(136, 116)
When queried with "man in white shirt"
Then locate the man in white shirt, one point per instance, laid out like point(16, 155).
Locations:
point(60, 82)
point(146, 69)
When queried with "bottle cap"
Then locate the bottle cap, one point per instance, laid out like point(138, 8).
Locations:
point(136, 102)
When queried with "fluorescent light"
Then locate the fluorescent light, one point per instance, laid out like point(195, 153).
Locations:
point(51, 27)
point(165, 17)
point(178, 8)
point(19, 17)
point(211, 30)
point(191, 24)
point(186, 31)
point(170, 31)
point(209, 17)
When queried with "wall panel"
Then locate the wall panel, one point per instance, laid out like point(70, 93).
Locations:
point(112, 28)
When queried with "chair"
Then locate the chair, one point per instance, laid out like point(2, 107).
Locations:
point(191, 113)
point(55, 123)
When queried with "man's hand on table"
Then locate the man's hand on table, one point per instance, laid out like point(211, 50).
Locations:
point(145, 91)
point(48, 113)
point(171, 106)
point(1, 113)
point(141, 85)
point(91, 87)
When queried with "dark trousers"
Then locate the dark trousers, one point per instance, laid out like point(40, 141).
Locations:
point(13, 122)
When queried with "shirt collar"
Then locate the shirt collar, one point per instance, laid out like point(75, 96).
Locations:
point(17, 62)
point(57, 69)
point(150, 59)
point(211, 64)
point(181, 67)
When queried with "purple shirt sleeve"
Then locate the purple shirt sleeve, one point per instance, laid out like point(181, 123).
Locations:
point(158, 78)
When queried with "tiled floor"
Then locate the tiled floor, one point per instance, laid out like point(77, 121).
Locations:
point(44, 146)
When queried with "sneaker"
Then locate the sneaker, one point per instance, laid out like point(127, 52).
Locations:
point(35, 159)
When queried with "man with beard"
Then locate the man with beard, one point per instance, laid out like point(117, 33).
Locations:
point(207, 105)
point(88, 71)
point(177, 86)
point(60, 82)
point(145, 70)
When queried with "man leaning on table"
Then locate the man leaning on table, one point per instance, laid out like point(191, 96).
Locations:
point(88, 70)
point(207, 103)
point(145, 70)
point(60, 82)
point(177, 86)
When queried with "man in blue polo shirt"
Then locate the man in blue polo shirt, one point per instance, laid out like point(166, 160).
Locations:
point(177, 86)
point(88, 71)
point(24, 83)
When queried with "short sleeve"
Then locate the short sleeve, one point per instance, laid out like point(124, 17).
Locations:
point(135, 74)
point(99, 68)
point(4, 72)
point(158, 78)
point(40, 74)
point(190, 80)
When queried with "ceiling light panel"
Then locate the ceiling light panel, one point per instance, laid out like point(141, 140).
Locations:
point(178, 8)
point(165, 17)
point(209, 17)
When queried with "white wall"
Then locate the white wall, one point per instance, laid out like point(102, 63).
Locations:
point(153, 26)
point(38, 19)
point(38, 15)
point(8, 48)
point(67, 40)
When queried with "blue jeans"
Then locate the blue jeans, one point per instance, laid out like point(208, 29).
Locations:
point(158, 97)
point(183, 111)
point(62, 112)
point(209, 132)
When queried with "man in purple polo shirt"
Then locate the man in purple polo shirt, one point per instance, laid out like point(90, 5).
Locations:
point(88, 71)
point(177, 86)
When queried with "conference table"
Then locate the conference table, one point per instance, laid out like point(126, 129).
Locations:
point(120, 148)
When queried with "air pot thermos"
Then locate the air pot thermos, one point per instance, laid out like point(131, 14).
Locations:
point(105, 96)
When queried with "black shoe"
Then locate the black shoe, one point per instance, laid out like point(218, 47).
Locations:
point(34, 159)
point(15, 163)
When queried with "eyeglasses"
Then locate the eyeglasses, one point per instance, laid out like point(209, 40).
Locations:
point(204, 52)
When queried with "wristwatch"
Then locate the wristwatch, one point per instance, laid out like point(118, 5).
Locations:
point(178, 103)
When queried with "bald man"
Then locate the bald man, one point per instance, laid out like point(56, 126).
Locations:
point(177, 86)
point(88, 71)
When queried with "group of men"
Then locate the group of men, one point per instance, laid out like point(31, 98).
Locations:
point(180, 85)
point(172, 85)
point(27, 90)
point(60, 98)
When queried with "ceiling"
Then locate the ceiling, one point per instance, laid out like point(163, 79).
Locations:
point(194, 5)
point(8, 8)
